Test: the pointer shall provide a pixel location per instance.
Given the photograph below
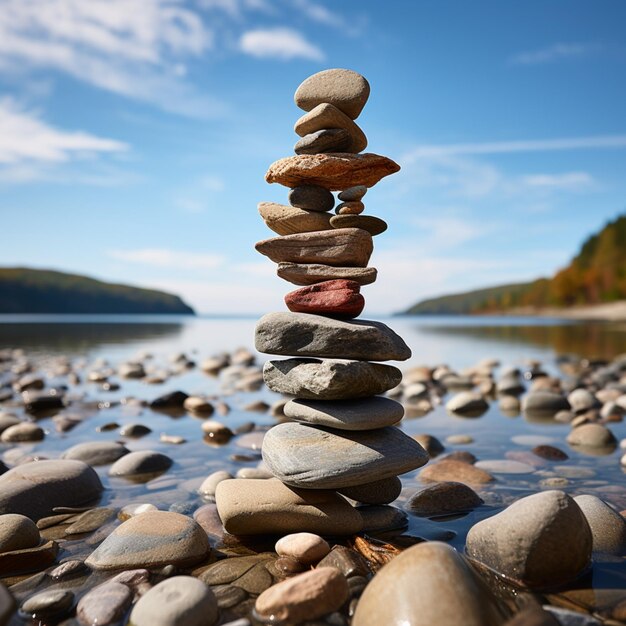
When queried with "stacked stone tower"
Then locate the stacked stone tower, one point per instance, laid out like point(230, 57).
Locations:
point(342, 440)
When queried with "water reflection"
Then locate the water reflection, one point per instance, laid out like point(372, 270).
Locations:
point(588, 339)
point(82, 335)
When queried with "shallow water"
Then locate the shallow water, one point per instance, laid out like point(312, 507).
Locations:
point(458, 342)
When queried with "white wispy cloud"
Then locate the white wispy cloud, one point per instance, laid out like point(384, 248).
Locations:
point(279, 43)
point(166, 258)
point(26, 139)
point(568, 181)
point(135, 48)
point(556, 52)
point(523, 145)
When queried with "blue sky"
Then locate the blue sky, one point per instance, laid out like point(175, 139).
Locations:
point(135, 134)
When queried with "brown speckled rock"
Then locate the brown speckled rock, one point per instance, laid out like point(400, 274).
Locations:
point(339, 247)
point(332, 171)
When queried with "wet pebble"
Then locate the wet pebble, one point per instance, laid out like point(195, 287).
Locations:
point(46, 604)
point(96, 452)
point(105, 604)
point(550, 453)
point(444, 498)
point(306, 596)
point(607, 526)
point(17, 532)
point(306, 548)
point(455, 471)
point(140, 463)
point(177, 601)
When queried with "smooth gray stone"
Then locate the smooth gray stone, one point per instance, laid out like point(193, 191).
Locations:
point(544, 403)
point(541, 540)
point(96, 452)
point(311, 198)
point(362, 414)
point(330, 379)
point(140, 462)
point(324, 140)
point(177, 601)
point(379, 518)
point(34, 489)
point(315, 458)
point(608, 527)
point(302, 334)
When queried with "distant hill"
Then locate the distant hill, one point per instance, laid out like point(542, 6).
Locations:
point(24, 290)
point(596, 275)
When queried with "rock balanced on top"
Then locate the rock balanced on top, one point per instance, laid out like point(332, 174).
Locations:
point(343, 436)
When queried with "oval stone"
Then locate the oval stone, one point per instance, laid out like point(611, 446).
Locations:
point(315, 458)
point(335, 298)
point(373, 225)
point(142, 462)
point(152, 539)
point(345, 89)
point(96, 452)
point(541, 540)
point(365, 414)
point(34, 489)
point(177, 601)
point(324, 140)
point(311, 198)
point(311, 273)
point(17, 532)
point(429, 583)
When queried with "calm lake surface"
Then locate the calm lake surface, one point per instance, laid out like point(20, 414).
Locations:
point(91, 342)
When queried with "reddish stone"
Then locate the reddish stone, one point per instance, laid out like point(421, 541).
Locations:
point(335, 298)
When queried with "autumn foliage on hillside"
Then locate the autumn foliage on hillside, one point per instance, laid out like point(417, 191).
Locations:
point(596, 275)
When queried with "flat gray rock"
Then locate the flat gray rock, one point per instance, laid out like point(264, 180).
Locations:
point(302, 334)
point(315, 458)
point(330, 379)
point(361, 414)
point(312, 273)
point(34, 489)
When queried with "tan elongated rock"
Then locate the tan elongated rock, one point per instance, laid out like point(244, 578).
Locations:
point(312, 273)
point(333, 171)
point(254, 507)
point(429, 583)
point(330, 379)
point(340, 247)
point(314, 458)
point(345, 89)
point(302, 334)
point(326, 115)
point(288, 220)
